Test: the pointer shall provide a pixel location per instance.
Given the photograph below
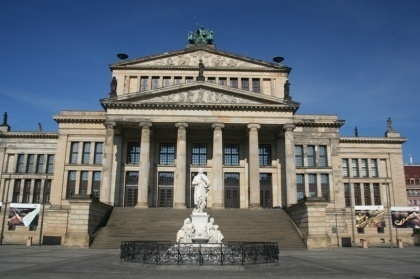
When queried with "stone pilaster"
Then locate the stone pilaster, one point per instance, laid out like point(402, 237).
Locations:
point(57, 189)
point(290, 168)
point(254, 167)
point(144, 171)
point(217, 185)
point(181, 163)
point(105, 195)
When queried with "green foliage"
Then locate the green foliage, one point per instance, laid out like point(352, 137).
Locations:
point(416, 230)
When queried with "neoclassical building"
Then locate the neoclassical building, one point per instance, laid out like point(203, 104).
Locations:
point(169, 114)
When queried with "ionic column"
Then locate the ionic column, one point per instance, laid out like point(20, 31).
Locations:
point(144, 170)
point(181, 162)
point(254, 167)
point(105, 194)
point(290, 169)
point(217, 185)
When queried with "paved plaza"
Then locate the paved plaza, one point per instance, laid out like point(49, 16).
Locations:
point(18, 261)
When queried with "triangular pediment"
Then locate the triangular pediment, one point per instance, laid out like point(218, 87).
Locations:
point(199, 93)
point(211, 58)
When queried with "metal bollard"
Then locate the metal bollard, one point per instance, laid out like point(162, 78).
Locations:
point(29, 241)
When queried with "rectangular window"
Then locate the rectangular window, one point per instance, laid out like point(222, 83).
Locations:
point(155, 82)
point(37, 191)
point(256, 85)
point(354, 168)
point(144, 83)
point(47, 191)
point(199, 154)
point(74, 151)
point(245, 84)
point(299, 155)
point(310, 154)
point(231, 179)
point(211, 79)
point(30, 164)
point(133, 153)
point(71, 184)
point(312, 185)
point(366, 191)
point(189, 79)
point(323, 162)
point(86, 153)
point(166, 179)
point(374, 167)
point(16, 191)
point(300, 186)
point(50, 164)
point(325, 186)
point(40, 164)
point(223, 81)
point(177, 80)
point(132, 178)
point(167, 154)
point(84, 179)
point(20, 163)
point(264, 153)
point(99, 153)
point(364, 165)
point(376, 194)
point(234, 82)
point(166, 81)
point(347, 193)
point(26, 191)
point(265, 180)
point(345, 167)
point(357, 194)
point(96, 183)
point(231, 155)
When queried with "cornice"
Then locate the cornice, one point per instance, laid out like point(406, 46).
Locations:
point(28, 135)
point(314, 123)
point(383, 140)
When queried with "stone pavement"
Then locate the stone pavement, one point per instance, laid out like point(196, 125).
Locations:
point(17, 261)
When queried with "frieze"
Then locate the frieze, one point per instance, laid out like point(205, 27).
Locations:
point(201, 96)
point(192, 59)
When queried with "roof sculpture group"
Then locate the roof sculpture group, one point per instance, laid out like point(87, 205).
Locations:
point(201, 36)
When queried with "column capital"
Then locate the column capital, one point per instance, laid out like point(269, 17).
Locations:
point(289, 127)
point(254, 126)
point(181, 125)
point(110, 124)
point(145, 124)
point(218, 125)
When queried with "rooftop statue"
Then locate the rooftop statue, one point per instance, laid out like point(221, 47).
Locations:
point(201, 36)
point(5, 118)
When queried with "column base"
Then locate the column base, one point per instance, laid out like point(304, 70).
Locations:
point(180, 205)
point(255, 206)
point(142, 205)
point(217, 206)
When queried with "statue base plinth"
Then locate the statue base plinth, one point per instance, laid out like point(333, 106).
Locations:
point(200, 220)
point(200, 239)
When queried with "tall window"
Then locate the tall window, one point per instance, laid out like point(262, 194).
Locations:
point(264, 153)
point(347, 193)
point(144, 83)
point(37, 191)
point(133, 153)
point(300, 186)
point(364, 166)
point(345, 167)
point(99, 153)
point(325, 186)
point(354, 168)
point(310, 153)
point(312, 185)
point(323, 162)
point(167, 154)
point(74, 152)
point(84, 179)
point(374, 167)
point(30, 164)
point(96, 183)
point(155, 82)
point(299, 156)
point(20, 163)
point(47, 191)
point(86, 153)
point(177, 80)
point(199, 154)
point(222, 81)
point(357, 194)
point(40, 163)
point(376, 194)
point(244, 83)
point(50, 164)
point(26, 191)
point(211, 79)
point(231, 154)
point(16, 191)
point(366, 191)
point(256, 85)
point(71, 184)
point(166, 81)
point(234, 82)
point(189, 79)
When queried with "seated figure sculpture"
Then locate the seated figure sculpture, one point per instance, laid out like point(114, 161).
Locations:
point(186, 232)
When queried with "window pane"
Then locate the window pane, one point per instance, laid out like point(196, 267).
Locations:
point(74, 152)
point(167, 154)
point(231, 154)
point(264, 152)
point(199, 154)
point(299, 156)
point(133, 153)
point(99, 152)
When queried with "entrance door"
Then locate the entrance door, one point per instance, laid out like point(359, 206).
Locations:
point(232, 193)
point(166, 189)
point(266, 187)
point(131, 194)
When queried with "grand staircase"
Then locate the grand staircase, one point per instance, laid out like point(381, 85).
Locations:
point(162, 224)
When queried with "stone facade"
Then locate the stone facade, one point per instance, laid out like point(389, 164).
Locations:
point(161, 123)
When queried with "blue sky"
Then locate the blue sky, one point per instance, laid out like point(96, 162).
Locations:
point(356, 59)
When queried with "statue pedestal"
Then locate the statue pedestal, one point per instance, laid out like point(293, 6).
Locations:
point(200, 220)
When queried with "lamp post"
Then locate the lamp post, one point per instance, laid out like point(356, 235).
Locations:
point(388, 201)
point(352, 213)
point(5, 199)
point(43, 209)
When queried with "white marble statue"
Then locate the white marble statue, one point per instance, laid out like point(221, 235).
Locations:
point(201, 186)
point(215, 236)
point(186, 232)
